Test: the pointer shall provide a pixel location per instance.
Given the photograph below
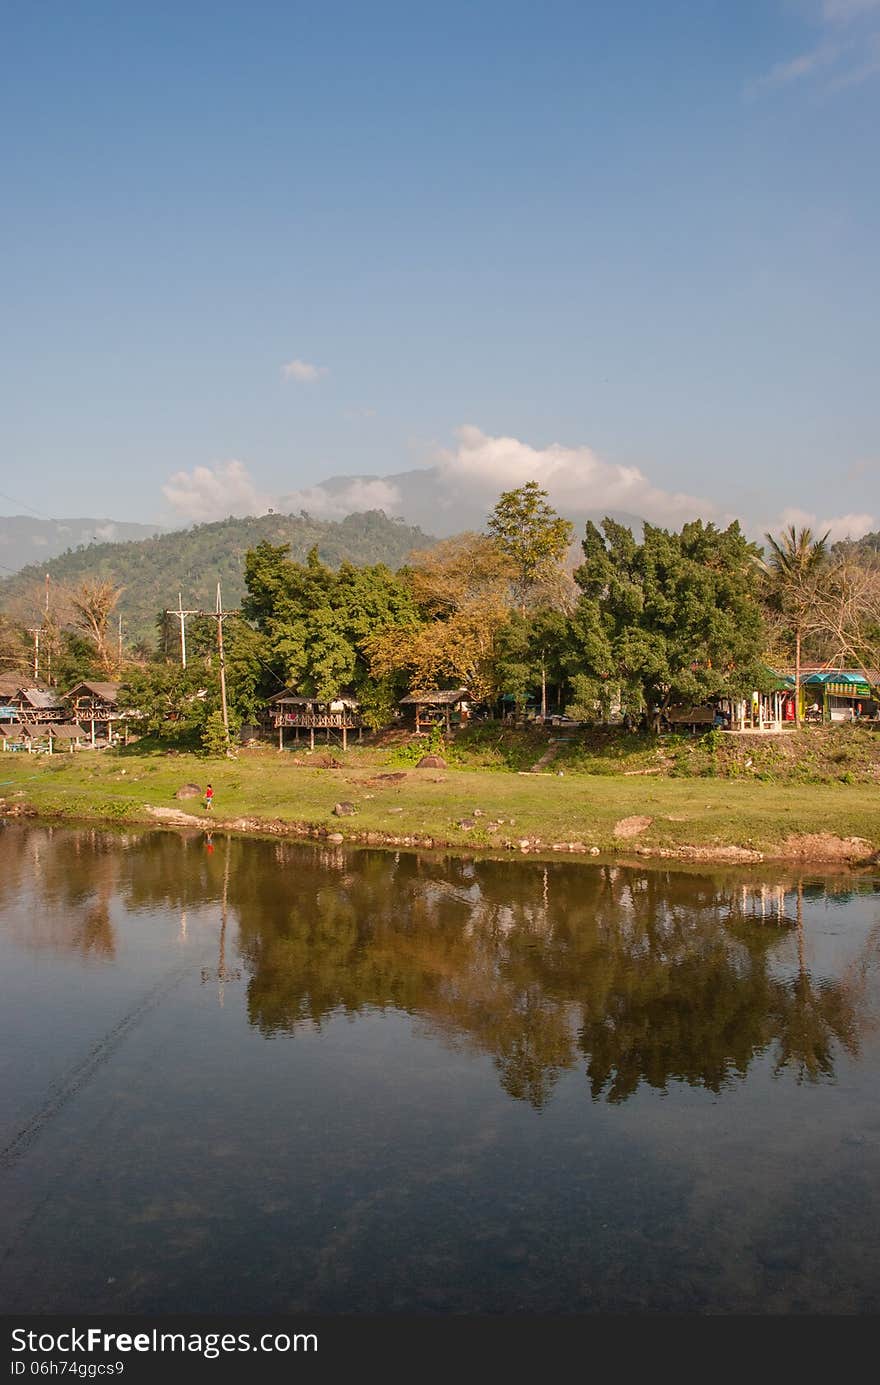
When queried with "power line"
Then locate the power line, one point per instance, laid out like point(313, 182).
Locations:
point(39, 514)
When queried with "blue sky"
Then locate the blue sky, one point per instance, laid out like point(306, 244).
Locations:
point(644, 233)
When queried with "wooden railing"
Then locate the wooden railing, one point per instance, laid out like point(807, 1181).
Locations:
point(318, 720)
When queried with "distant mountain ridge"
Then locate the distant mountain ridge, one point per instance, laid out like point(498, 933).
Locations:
point(426, 498)
point(192, 561)
point(25, 539)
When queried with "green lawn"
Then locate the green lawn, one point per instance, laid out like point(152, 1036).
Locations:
point(584, 808)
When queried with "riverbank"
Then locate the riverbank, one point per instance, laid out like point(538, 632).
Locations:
point(364, 800)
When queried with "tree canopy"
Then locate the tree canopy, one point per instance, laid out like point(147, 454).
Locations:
point(673, 618)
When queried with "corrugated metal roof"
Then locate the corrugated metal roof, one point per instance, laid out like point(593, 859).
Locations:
point(107, 692)
point(43, 700)
point(840, 677)
point(435, 699)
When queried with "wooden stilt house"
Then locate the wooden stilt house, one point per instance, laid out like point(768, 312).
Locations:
point(336, 717)
point(448, 707)
point(97, 706)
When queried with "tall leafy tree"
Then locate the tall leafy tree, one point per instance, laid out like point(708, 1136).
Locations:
point(460, 592)
point(792, 569)
point(532, 650)
point(671, 619)
point(172, 702)
point(532, 535)
point(316, 622)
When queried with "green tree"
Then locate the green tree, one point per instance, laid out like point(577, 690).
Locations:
point(673, 618)
point(532, 651)
point(532, 535)
point(213, 735)
point(316, 622)
point(173, 703)
point(792, 571)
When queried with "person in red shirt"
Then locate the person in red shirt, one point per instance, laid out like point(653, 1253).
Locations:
point(209, 798)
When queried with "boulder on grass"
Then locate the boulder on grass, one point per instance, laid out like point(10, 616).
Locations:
point(188, 791)
point(431, 762)
point(344, 810)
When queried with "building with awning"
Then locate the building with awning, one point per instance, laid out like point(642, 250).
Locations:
point(843, 694)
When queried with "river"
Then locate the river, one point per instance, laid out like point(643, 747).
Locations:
point(242, 1076)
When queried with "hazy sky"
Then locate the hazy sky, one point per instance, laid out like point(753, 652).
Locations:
point(326, 238)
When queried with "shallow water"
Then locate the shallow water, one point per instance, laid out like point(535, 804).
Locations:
point(248, 1076)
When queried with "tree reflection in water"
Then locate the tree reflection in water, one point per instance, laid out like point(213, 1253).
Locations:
point(643, 976)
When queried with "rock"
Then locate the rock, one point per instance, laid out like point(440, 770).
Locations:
point(188, 791)
point(335, 837)
point(525, 844)
point(431, 762)
point(478, 813)
point(594, 851)
point(466, 824)
point(631, 827)
point(344, 810)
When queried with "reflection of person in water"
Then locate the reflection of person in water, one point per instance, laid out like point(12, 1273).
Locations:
point(209, 842)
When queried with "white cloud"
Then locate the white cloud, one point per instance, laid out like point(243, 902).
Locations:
point(842, 11)
point(851, 526)
point(576, 478)
point(863, 70)
point(804, 65)
point(207, 493)
point(303, 372)
point(362, 493)
point(857, 57)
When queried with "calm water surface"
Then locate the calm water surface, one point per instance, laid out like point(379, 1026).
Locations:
point(242, 1076)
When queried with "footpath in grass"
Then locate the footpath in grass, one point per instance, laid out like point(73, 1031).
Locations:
point(458, 806)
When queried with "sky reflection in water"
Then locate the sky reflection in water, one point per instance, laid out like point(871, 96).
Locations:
point(244, 1076)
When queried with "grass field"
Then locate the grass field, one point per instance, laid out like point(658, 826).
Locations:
point(503, 809)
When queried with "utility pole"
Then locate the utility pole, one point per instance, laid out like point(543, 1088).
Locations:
point(49, 632)
point(220, 615)
point(181, 616)
point(119, 646)
point(35, 631)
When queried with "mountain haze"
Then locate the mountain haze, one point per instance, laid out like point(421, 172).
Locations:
point(426, 498)
point(25, 539)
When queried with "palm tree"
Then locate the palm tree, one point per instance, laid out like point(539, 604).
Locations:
point(791, 569)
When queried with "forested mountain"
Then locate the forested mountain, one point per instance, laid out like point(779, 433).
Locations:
point(868, 546)
point(192, 561)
